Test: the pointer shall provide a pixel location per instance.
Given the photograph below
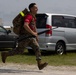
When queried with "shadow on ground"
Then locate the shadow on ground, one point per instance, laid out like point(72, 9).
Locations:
point(17, 71)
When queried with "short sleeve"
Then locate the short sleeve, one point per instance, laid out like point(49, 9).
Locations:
point(28, 18)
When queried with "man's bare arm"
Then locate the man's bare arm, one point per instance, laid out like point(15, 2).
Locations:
point(26, 26)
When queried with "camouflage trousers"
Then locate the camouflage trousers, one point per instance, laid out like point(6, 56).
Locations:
point(28, 42)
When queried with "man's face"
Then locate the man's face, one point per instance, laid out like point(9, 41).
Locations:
point(34, 9)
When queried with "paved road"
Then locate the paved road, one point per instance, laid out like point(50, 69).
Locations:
point(21, 69)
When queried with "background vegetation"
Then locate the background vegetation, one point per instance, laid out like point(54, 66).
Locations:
point(55, 60)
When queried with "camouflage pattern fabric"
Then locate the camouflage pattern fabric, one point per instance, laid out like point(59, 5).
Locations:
point(29, 42)
point(18, 22)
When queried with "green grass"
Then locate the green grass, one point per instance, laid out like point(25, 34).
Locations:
point(55, 60)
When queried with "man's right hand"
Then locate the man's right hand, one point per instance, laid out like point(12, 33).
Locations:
point(35, 34)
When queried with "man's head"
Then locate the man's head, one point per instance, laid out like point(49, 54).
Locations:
point(33, 8)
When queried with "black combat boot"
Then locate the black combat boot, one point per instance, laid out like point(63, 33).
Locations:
point(41, 65)
point(4, 56)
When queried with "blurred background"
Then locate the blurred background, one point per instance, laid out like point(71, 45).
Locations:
point(10, 8)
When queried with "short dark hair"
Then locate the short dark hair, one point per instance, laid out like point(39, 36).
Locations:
point(31, 5)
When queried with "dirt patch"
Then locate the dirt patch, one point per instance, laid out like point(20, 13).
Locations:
point(23, 69)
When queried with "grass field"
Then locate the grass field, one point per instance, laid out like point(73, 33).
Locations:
point(55, 60)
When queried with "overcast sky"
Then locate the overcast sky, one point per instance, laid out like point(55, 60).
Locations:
point(10, 8)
